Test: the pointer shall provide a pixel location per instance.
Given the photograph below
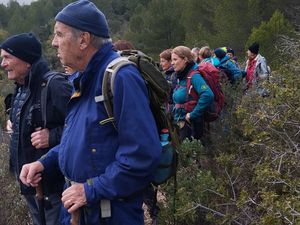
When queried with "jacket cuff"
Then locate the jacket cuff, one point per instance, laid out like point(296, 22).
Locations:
point(45, 163)
point(90, 192)
point(50, 160)
point(192, 116)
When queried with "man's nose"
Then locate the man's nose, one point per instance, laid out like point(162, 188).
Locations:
point(3, 63)
point(54, 42)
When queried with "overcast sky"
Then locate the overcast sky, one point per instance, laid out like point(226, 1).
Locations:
point(22, 2)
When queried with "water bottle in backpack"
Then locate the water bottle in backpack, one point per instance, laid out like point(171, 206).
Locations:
point(167, 161)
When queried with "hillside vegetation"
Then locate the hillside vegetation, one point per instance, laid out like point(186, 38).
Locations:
point(250, 172)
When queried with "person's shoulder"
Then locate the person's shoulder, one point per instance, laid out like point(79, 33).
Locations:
point(55, 76)
point(260, 57)
point(128, 69)
point(57, 81)
point(197, 77)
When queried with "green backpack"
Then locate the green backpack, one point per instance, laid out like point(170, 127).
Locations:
point(158, 91)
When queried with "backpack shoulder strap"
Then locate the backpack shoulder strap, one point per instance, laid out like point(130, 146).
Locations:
point(189, 87)
point(189, 79)
point(108, 86)
point(48, 77)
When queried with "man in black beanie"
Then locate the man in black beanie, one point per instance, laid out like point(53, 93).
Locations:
point(32, 133)
point(107, 162)
point(257, 70)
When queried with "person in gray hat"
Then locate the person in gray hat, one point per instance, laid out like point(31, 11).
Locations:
point(32, 134)
point(107, 162)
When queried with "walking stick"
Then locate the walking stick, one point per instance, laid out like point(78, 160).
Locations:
point(75, 216)
point(41, 202)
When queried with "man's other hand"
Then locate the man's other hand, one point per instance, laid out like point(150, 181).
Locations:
point(31, 173)
point(40, 138)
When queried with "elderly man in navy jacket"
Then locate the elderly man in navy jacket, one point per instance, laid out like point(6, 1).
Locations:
point(106, 168)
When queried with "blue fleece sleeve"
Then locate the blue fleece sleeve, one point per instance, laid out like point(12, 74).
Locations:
point(50, 159)
point(206, 96)
point(139, 146)
point(235, 71)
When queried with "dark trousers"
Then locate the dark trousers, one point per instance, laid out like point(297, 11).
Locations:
point(195, 130)
point(52, 213)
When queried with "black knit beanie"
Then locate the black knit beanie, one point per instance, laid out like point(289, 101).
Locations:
point(254, 48)
point(24, 46)
point(220, 53)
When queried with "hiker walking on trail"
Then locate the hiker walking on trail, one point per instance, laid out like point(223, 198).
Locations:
point(107, 162)
point(233, 58)
point(33, 134)
point(233, 73)
point(206, 56)
point(256, 70)
point(195, 54)
point(166, 65)
point(120, 45)
point(190, 122)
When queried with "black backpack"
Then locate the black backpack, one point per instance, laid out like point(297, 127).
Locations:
point(39, 116)
point(158, 91)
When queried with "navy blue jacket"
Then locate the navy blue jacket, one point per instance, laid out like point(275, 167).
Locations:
point(114, 164)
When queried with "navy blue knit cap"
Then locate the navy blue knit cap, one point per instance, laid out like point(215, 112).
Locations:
point(85, 16)
point(24, 46)
point(220, 53)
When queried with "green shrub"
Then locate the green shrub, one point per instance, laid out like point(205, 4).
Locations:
point(250, 172)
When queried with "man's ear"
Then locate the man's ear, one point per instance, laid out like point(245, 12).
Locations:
point(85, 40)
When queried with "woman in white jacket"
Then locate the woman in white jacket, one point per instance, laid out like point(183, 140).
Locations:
point(256, 70)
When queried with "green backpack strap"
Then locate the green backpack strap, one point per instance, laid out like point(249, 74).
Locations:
point(108, 86)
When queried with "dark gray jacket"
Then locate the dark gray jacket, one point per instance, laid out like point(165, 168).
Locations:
point(26, 116)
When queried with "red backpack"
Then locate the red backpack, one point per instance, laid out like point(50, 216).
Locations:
point(211, 76)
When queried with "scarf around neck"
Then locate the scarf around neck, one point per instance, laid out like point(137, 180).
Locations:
point(182, 74)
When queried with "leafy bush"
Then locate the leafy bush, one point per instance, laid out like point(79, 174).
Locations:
point(269, 33)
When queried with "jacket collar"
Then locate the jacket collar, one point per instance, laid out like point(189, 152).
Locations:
point(36, 73)
point(98, 58)
point(96, 66)
point(183, 74)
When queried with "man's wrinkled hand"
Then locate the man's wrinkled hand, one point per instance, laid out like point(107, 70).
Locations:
point(40, 138)
point(31, 173)
point(74, 197)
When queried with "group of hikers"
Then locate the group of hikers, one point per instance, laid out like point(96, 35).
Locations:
point(94, 172)
point(179, 65)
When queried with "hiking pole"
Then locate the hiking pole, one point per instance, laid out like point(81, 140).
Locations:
point(75, 216)
point(41, 202)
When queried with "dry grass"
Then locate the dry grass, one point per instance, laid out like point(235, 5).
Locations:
point(12, 208)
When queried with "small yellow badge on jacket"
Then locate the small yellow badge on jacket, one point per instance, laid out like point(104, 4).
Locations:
point(204, 87)
point(76, 94)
